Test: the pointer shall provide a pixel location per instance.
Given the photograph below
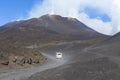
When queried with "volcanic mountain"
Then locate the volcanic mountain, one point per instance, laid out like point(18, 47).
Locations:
point(17, 36)
point(48, 26)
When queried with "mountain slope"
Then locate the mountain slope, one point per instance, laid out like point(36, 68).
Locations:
point(15, 37)
point(51, 24)
point(108, 47)
point(96, 62)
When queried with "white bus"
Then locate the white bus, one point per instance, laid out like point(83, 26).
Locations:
point(58, 55)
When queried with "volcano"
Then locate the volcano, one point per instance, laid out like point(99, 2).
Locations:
point(22, 42)
point(48, 26)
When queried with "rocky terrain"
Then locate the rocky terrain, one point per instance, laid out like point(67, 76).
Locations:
point(13, 61)
point(86, 53)
point(92, 62)
point(20, 38)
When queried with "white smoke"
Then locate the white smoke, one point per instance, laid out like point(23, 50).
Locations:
point(75, 8)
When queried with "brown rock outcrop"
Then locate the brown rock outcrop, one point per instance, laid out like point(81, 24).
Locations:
point(14, 61)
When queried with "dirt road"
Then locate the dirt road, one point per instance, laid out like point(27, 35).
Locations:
point(19, 74)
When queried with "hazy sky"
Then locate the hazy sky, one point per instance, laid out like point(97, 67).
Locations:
point(101, 15)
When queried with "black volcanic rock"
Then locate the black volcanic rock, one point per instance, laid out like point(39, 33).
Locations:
point(98, 62)
point(110, 47)
point(97, 69)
